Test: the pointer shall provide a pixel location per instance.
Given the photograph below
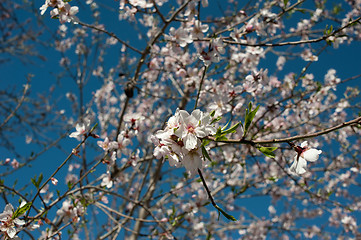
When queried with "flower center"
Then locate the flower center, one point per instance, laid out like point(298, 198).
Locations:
point(190, 129)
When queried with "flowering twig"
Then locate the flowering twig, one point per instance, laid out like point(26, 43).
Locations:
point(73, 152)
point(355, 121)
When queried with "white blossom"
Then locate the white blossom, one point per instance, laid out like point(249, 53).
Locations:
point(81, 130)
point(8, 223)
point(304, 155)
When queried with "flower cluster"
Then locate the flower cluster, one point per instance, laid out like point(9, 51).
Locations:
point(62, 10)
point(180, 141)
point(215, 49)
point(71, 211)
point(8, 222)
point(304, 154)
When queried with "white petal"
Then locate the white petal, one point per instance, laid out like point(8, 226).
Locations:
point(299, 166)
point(80, 127)
point(183, 114)
point(304, 144)
point(19, 221)
point(192, 161)
point(190, 142)
point(73, 10)
point(197, 114)
point(311, 155)
point(9, 208)
point(201, 132)
point(11, 232)
point(74, 135)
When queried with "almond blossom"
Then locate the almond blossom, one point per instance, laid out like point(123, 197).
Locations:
point(304, 155)
point(215, 50)
point(107, 144)
point(62, 10)
point(199, 29)
point(81, 130)
point(180, 141)
point(181, 36)
point(8, 223)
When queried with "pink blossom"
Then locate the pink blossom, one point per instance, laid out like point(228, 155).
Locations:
point(199, 29)
point(68, 212)
point(107, 144)
point(15, 164)
point(8, 223)
point(107, 180)
point(181, 36)
point(54, 181)
point(81, 130)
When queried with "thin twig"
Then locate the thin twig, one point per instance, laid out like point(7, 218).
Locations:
point(355, 121)
point(200, 86)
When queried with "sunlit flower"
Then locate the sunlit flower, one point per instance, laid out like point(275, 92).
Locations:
point(68, 211)
point(81, 130)
point(215, 49)
point(192, 160)
point(107, 144)
point(65, 13)
point(191, 129)
point(180, 141)
point(107, 180)
point(304, 154)
point(8, 223)
point(199, 29)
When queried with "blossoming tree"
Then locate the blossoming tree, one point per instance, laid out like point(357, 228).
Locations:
point(186, 119)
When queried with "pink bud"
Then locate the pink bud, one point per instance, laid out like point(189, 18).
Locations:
point(249, 28)
point(54, 181)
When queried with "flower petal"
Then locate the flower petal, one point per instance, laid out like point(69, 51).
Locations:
point(311, 155)
point(298, 166)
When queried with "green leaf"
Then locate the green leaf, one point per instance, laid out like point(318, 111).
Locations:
point(21, 210)
point(205, 142)
point(212, 113)
point(230, 217)
point(205, 153)
point(225, 126)
point(36, 181)
point(249, 117)
point(219, 135)
point(337, 9)
point(219, 132)
point(268, 151)
point(231, 129)
point(216, 119)
point(273, 179)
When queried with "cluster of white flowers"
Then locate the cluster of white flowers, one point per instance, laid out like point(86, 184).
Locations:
point(180, 141)
point(304, 154)
point(215, 50)
point(71, 211)
point(187, 33)
point(62, 10)
point(8, 223)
